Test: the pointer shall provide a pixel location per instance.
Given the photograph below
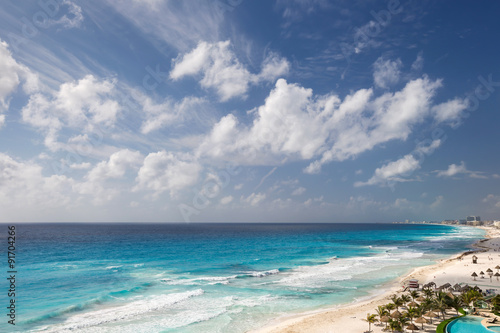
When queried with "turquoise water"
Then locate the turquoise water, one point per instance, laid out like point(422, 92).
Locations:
point(469, 324)
point(494, 328)
point(208, 277)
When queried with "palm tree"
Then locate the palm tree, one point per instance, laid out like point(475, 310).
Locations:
point(395, 300)
point(394, 325)
point(428, 292)
point(381, 311)
point(456, 303)
point(441, 305)
point(398, 302)
point(495, 302)
point(470, 296)
point(403, 320)
point(405, 299)
point(412, 313)
point(370, 319)
point(414, 294)
point(390, 306)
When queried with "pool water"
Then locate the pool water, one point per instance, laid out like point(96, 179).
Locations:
point(469, 324)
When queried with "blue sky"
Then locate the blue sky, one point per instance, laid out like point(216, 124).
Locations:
point(238, 110)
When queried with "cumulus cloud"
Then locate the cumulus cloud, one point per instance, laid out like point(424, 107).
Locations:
point(254, 199)
point(295, 124)
point(457, 169)
point(492, 199)
point(114, 168)
point(22, 185)
point(166, 171)
point(11, 75)
point(221, 70)
point(298, 191)
point(170, 112)
point(85, 104)
point(399, 170)
point(450, 112)
point(226, 200)
point(386, 72)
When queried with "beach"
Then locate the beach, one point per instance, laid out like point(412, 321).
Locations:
point(348, 318)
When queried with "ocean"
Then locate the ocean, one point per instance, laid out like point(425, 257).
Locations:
point(206, 277)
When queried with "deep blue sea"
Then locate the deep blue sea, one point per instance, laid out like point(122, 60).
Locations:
point(206, 277)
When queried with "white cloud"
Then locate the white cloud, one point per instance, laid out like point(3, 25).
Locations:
point(298, 191)
point(114, 168)
point(80, 166)
point(85, 104)
point(169, 112)
point(386, 72)
point(254, 199)
point(437, 202)
point(450, 112)
point(11, 75)
point(493, 199)
point(166, 171)
point(226, 200)
point(294, 124)
point(221, 70)
point(72, 19)
point(454, 170)
point(398, 170)
point(23, 185)
point(238, 186)
point(418, 64)
point(181, 24)
point(393, 171)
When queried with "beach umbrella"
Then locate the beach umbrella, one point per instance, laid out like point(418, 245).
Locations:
point(497, 275)
point(385, 319)
point(474, 275)
point(412, 327)
point(430, 314)
point(450, 295)
point(497, 268)
point(482, 274)
point(421, 320)
point(490, 273)
point(422, 298)
point(412, 304)
point(396, 314)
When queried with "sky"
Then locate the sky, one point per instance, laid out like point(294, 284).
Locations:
point(249, 111)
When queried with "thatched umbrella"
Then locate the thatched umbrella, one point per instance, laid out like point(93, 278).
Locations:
point(446, 285)
point(490, 273)
point(412, 327)
point(482, 274)
point(450, 295)
point(497, 268)
point(422, 298)
point(497, 275)
point(385, 319)
point(457, 286)
point(421, 320)
point(412, 304)
point(474, 275)
point(396, 314)
point(430, 314)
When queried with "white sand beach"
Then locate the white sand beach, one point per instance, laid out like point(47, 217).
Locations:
point(348, 318)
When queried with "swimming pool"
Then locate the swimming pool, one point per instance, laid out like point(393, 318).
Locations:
point(469, 324)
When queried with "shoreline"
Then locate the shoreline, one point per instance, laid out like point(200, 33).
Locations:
point(348, 317)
